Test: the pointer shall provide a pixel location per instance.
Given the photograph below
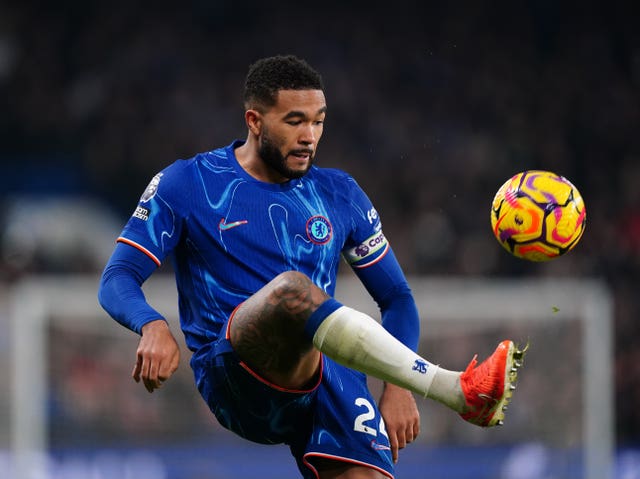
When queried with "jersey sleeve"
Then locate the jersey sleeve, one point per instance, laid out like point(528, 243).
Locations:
point(120, 291)
point(156, 223)
point(371, 257)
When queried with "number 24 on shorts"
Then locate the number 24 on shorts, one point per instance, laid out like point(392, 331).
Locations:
point(359, 423)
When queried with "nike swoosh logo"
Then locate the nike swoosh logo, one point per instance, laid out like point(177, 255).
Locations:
point(224, 226)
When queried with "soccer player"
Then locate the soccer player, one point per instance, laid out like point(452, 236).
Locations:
point(255, 232)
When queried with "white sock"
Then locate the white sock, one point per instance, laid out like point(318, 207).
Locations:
point(358, 341)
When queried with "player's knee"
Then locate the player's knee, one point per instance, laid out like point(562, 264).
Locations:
point(291, 283)
point(295, 293)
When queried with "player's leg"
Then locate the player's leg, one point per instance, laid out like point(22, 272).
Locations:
point(480, 394)
point(271, 333)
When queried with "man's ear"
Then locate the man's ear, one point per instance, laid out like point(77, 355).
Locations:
point(253, 119)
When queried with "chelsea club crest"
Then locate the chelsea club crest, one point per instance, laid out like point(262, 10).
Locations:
point(319, 229)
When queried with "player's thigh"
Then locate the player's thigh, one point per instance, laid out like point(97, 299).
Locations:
point(267, 331)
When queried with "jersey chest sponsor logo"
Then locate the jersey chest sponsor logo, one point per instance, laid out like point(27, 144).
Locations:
point(319, 229)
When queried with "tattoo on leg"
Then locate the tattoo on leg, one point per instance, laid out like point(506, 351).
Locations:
point(268, 330)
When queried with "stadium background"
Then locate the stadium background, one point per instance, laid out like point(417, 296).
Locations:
point(431, 108)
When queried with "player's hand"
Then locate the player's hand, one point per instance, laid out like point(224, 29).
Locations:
point(401, 417)
point(157, 356)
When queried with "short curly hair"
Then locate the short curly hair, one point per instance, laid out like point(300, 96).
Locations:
point(269, 75)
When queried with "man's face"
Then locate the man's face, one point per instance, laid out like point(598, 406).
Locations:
point(291, 131)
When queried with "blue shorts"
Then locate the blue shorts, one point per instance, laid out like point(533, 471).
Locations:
point(336, 419)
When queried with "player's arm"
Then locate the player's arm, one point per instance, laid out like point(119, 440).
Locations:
point(120, 294)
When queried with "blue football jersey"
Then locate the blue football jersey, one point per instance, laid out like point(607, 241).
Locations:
point(229, 234)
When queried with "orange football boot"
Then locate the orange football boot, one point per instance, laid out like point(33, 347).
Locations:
point(488, 388)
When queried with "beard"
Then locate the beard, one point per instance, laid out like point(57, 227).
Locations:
point(274, 159)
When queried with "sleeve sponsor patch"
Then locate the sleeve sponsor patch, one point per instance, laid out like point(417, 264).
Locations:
point(368, 252)
point(141, 213)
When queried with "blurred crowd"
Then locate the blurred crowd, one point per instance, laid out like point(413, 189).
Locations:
point(431, 109)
